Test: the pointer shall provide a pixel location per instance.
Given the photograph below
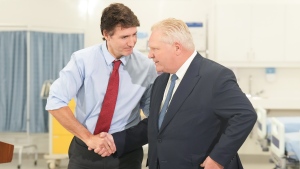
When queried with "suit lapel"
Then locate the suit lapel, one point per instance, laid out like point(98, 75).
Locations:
point(184, 89)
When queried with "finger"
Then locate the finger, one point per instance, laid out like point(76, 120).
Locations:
point(105, 154)
point(203, 164)
point(111, 143)
point(97, 150)
point(103, 150)
point(105, 144)
point(89, 148)
point(109, 140)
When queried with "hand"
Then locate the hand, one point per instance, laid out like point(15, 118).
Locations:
point(211, 164)
point(102, 144)
point(104, 151)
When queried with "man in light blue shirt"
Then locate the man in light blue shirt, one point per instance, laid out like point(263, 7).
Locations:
point(85, 78)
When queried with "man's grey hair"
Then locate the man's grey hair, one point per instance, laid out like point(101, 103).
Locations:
point(174, 30)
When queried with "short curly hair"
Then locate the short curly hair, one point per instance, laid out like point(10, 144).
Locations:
point(117, 14)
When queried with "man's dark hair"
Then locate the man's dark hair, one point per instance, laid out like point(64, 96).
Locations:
point(117, 14)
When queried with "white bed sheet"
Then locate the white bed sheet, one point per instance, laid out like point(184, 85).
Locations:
point(291, 124)
point(292, 145)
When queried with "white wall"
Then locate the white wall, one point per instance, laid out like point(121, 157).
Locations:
point(286, 84)
point(84, 16)
point(149, 12)
point(56, 14)
point(76, 15)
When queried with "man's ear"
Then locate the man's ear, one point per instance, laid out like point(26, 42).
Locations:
point(178, 48)
point(105, 35)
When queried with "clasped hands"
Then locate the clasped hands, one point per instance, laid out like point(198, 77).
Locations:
point(102, 144)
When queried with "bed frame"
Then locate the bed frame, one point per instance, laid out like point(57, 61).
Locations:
point(262, 128)
point(277, 147)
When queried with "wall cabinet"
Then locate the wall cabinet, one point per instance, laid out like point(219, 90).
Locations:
point(233, 29)
point(292, 36)
point(257, 33)
point(60, 138)
point(267, 36)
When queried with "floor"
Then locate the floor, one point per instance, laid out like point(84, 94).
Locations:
point(251, 155)
point(249, 162)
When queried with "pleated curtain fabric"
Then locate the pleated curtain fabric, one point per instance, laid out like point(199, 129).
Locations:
point(109, 102)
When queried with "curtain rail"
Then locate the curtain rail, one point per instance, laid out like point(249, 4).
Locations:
point(41, 28)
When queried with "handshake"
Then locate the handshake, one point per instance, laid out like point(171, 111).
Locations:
point(102, 144)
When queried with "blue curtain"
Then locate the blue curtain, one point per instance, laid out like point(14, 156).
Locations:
point(13, 73)
point(49, 53)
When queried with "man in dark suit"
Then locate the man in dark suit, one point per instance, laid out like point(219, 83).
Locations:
point(199, 117)
point(208, 117)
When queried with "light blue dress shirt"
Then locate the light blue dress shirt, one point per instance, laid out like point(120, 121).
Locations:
point(85, 78)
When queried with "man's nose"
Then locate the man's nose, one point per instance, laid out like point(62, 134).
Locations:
point(150, 55)
point(132, 40)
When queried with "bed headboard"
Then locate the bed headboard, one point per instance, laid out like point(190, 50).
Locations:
point(261, 122)
point(277, 137)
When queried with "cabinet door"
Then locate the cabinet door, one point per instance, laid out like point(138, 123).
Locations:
point(61, 143)
point(292, 52)
point(233, 25)
point(268, 32)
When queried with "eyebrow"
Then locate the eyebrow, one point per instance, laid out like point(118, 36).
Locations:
point(129, 35)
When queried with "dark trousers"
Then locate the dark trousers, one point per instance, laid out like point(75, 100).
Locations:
point(82, 158)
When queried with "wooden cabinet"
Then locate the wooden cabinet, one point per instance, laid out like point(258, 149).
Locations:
point(6, 152)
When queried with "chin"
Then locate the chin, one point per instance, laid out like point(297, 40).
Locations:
point(159, 70)
point(128, 53)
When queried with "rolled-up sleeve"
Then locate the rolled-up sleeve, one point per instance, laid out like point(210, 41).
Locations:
point(66, 86)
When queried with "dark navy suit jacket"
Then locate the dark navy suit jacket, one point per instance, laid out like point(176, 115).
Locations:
point(208, 115)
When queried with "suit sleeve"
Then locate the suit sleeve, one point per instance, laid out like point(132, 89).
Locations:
point(132, 138)
point(136, 136)
point(232, 105)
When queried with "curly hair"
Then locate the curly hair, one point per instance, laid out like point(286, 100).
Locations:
point(117, 14)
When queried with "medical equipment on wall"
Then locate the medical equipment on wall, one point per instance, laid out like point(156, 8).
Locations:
point(45, 89)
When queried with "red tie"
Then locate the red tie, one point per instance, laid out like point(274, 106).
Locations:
point(109, 102)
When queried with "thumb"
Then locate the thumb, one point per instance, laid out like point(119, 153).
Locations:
point(203, 164)
point(102, 134)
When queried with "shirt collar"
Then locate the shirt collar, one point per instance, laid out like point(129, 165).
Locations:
point(181, 71)
point(110, 58)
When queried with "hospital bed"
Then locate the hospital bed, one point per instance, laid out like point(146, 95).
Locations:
point(262, 125)
point(284, 147)
point(291, 124)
